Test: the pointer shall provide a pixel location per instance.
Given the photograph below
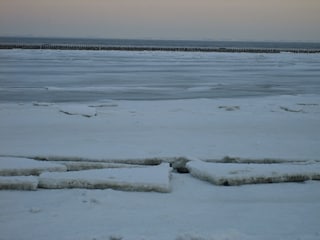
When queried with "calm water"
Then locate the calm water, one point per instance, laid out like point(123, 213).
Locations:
point(77, 76)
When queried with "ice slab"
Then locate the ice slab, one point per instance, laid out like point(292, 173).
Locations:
point(78, 109)
point(11, 166)
point(238, 174)
point(68, 160)
point(155, 178)
point(86, 165)
point(19, 183)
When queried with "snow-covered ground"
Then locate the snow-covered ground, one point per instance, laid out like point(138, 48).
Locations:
point(283, 129)
point(115, 155)
point(280, 128)
point(193, 210)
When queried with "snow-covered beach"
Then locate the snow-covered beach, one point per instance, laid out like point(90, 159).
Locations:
point(122, 157)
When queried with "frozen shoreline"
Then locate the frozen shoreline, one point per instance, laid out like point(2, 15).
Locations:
point(112, 134)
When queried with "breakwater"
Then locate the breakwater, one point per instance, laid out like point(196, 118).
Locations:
point(150, 48)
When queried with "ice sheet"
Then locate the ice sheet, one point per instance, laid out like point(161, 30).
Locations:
point(84, 165)
point(144, 131)
point(155, 178)
point(276, 128)
point(73, 76)
point(237, 174)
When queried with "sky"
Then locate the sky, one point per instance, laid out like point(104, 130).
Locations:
point(261, 20)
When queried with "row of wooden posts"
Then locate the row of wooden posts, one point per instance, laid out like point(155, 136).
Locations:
point(147, 48)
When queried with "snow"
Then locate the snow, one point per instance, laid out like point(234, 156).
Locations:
point(67, 109)
point(10, 166)
point(18, 183)
point(150, 132)
point(83, 165)
point(146, 131)
point(193, 208)
point(155, 178)
point(237, 174)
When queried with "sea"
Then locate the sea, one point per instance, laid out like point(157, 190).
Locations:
point(34, 75)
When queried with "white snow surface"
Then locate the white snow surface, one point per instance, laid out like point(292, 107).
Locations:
point(237, 174)
point(282, 128)
point(256, 128)
point(10, 166)
point(83, 165)
point(155, 178)
point(193, 210)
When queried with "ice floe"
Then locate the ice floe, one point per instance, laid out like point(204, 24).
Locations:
point(86, 165)
point(69, 160)
point(11, 166)
point(238, 174)
point(18, 183)
point(155, 178)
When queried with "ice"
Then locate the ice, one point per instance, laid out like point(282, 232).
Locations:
point(86, 165)
point(236, 107)
point(108, 89)
point(156, 178)
point(78, 161)
point(78, 109)
point(194, 209)
point(18, 183)
point(238, 174)
point(73, 76)
point(144, 131)
point(42, 104)
point(11, 166)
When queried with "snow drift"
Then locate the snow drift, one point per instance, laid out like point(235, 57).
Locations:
point(238, 174)
point(156, 178)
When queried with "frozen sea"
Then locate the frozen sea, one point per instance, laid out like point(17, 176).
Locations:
point(82, 76)
point(71, 119)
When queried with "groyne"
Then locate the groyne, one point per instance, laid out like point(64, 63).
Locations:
point(150, 48)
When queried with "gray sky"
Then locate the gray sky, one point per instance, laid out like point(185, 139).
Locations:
point(285, 20)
